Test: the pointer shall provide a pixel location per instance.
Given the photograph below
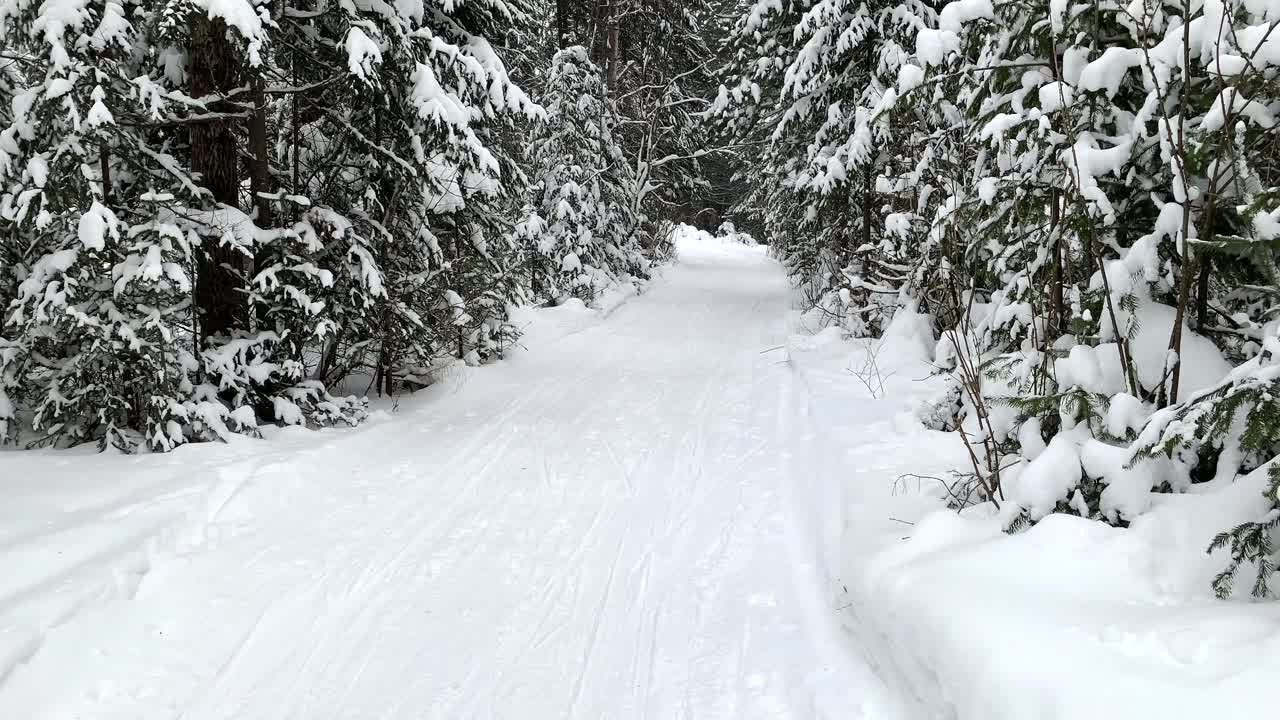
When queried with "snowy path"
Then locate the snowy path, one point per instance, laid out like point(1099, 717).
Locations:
point(620, 523)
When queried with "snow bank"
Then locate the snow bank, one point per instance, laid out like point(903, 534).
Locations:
point(1070, 618)
point(540, 326)
point(1064, 620)
point(543, 325)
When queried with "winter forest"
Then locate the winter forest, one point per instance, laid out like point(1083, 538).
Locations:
point(608, 358)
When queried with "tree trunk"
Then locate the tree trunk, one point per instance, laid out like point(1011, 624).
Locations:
point(562, 24)
point(104, 160)
point(868, 175)
point(1174, 354)
point(219, 304)
point(260, 184)
point(597, 46)
point(1175, 336)
point(1202, 293)
point(868, 201)
point(614, 55)
point(1057, 312)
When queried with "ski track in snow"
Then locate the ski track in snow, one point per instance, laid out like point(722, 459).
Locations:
point(624, 522)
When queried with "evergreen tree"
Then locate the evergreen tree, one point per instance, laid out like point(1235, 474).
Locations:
point(581, 232)
point(811, 80)
point(159, 298)
point(1069, 190)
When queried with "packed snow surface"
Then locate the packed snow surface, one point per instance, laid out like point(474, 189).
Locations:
point(624, 520)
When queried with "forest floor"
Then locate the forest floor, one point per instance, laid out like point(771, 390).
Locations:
point(630, 518)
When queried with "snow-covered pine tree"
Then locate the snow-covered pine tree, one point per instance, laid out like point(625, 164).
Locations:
point(1107, 174)
point(156, 299)
point(841, 82)
point(661, 88)
point(1220, 62)
point(99, 331)
point(817, 76)
point(1027, 196)
point(1069, 190)
point(655, 61)
point(405, 147)
point(747, 114)
point(581, 231)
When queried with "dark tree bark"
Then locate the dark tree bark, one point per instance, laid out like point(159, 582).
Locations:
point(1169, 391)
point(219, 302)
point(562, 24)
point(259, 140)
point(868, 175)
point(104, 160)
point(260, 184)
point(1057, 302)
point(868, 202)
point(599, 44)
point(611, 39)
point(1202, 292)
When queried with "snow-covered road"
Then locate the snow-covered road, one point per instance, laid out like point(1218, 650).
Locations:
point(622, 522)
